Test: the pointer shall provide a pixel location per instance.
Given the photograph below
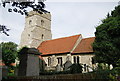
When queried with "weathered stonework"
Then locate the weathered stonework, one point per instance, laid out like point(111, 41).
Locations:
point(83, 59)
point(37, 29)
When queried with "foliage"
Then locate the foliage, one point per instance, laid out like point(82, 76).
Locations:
point(105, 74)
point(106, 45)
point(22, 6)
point(11, 70)
point(9, 52)
point(4, 29)
point(75, 68)
point(103, 66)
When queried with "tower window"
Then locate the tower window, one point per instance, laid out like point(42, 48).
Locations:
point(30, 22)
point(42, 36)
point(28, 34)
point(42, 22)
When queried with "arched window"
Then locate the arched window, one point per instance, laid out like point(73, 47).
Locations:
point(76, 59)
point(93, 60)
point(60, 60)
point(42, 22)
point(49, 61)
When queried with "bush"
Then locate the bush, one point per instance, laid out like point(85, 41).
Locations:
point(75, 68)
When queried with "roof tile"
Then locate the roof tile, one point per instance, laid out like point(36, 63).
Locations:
point(85, 46)
point(56, 46)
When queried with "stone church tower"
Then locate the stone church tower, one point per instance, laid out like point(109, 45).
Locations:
point(37, 29)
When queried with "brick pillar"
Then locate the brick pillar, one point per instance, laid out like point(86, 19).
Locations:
point(29, 62)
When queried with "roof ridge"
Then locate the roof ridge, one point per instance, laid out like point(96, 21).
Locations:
point(89, 38)
point(62, 38)
point(76, 44)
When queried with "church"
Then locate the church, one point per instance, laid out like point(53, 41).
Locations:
point(58, 54)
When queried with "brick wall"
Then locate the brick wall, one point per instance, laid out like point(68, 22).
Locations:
point(63, 77)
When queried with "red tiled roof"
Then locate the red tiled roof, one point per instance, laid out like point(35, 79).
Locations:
point(85, 46)
point(12, 64)
point(2, 64)
point(56, 46)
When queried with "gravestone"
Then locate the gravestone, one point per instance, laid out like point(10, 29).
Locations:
point(67, 65)
point(58, 67)
point(29, 62)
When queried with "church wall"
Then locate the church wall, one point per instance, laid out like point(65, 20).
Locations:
point(54, 59)
point(83, 59)
point(86, 59)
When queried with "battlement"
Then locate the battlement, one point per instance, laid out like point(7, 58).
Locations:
point(45, 15)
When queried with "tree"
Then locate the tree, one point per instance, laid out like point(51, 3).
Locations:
point(21, 7)
point(9, 52)
point(76, 68)
point(4, 29)
point(107, 42)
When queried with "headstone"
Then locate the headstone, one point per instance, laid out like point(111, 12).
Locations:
point(67, 65)
point(29, 62)
point(58, 67)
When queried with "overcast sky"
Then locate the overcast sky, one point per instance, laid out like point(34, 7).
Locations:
point(69, 17)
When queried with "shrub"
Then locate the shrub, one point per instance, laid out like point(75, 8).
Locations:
point(75, 68)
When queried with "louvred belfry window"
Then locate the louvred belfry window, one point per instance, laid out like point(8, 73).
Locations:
point(42, 22)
